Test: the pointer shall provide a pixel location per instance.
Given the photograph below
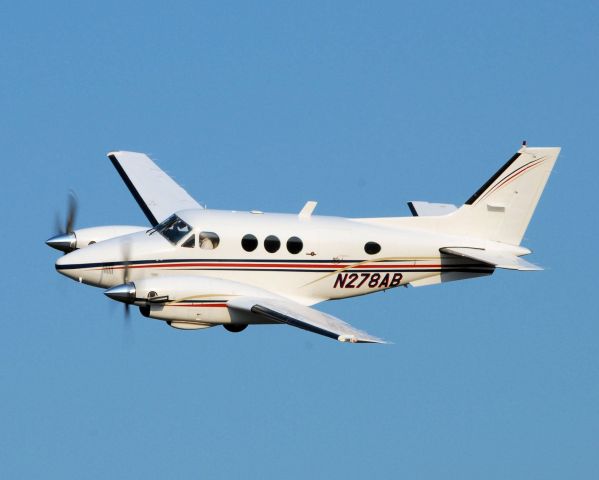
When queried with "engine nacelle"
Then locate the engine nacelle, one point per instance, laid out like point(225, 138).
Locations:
point(196, 301)
point(87, 236)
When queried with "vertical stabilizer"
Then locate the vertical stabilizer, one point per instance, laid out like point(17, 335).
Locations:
point(502, 208)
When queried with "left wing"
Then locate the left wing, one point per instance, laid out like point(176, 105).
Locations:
point(155, 192)
point(300, 316)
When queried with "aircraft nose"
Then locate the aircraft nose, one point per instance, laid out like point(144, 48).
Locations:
point(65, 242)
point(64, 265)
point(78, 266)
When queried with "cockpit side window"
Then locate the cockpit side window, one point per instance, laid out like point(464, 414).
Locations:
point(173, 229)
point(190, 242)
point(209, 240)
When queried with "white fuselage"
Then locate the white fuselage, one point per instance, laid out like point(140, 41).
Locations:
point(332, 262)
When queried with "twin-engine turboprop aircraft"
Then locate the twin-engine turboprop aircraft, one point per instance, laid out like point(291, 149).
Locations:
point(197, 268)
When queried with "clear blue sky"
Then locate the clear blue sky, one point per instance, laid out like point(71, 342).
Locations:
point(264, 105)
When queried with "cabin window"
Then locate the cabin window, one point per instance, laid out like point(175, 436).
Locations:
point(209, 240)
point(372, 248)
point(190, 242)
point(272, 244)
point(295, 245)
point(249, 242)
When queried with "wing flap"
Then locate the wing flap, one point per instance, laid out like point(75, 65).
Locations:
point(498, 259)
point(300, 316)
point(155, 192)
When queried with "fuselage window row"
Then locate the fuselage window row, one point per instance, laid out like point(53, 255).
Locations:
point(272, 244)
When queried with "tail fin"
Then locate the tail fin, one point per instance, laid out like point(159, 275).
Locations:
point(502, 208)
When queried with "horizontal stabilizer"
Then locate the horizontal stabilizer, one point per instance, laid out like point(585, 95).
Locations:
point(300, 316)
point(427, 209)
point(157, 194)
point(496, 258)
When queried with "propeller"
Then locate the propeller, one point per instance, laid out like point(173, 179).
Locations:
point(126, 250)
point(72, 207)
point(124, 292)
point(64, 237)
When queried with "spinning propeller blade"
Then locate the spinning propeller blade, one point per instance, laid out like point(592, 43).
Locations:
point(71, 212)
point(126, 249)
point(64, 239)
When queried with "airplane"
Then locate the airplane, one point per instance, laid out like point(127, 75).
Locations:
point(196, 268)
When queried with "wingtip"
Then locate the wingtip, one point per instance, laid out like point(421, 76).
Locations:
point(115, 153)
point(355, 339)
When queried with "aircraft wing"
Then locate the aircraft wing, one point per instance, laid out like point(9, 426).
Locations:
point(300, 316)
point(155, 192)
point(498, 259)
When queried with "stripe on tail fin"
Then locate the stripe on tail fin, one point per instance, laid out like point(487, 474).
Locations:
point(502, 208)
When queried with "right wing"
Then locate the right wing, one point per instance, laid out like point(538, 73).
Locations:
point(300, 316)
point(155, 192)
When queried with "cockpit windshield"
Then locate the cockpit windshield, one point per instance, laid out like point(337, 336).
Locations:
point(173, 229)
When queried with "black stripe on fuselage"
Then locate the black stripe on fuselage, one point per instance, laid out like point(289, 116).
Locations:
point(138, 198)
point(217, 261)
point(182, 264)
point(343, 263)
point(463, 268)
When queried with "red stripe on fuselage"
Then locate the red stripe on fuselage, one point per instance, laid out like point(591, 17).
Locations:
point(274, 267)
point(202, 305)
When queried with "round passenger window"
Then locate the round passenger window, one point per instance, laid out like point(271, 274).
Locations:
point(371, 248)
point(249, 242)
point(295, 245)
point(272, 244)
point(209, 240)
